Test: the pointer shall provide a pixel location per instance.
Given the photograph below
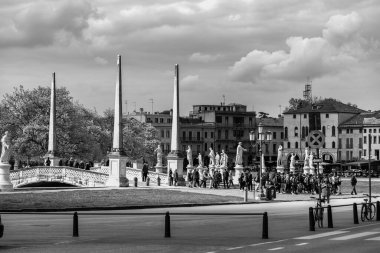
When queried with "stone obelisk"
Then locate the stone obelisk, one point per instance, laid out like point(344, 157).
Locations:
point(117, 157)
point(52, 148)
point(175, 157)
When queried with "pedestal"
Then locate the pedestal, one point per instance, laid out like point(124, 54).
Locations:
point(306, 170)
point(5, 182)
point(238, 170)
point(117, 176)
point(292, 169)
point(54, 161)
point(176, 163)
point(312, 170)
point(158, 168)
point(189, 168)
point(280, 169)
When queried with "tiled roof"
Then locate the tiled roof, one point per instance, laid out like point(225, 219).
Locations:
point(359, 119)
point(279, 122)
point(326, 106)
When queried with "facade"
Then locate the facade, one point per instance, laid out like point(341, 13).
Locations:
point(326, 116)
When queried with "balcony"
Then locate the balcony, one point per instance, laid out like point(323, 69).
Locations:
point(191, 139)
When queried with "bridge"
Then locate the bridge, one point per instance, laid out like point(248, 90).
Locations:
point(95, 177)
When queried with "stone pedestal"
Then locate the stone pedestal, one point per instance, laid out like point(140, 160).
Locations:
point(211, 167)
point(238, 170)
point(306, 170)
point(292, 169)
point(189, 168)
point(158, 168)
point(54, 161)
point(117, 175)
point(5, 181)
point(176, 163)
point(280, 169)
point(312, 170)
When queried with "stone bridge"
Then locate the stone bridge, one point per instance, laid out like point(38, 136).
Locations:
point(96, 177)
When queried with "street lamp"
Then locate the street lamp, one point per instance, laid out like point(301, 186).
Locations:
point(263, 138)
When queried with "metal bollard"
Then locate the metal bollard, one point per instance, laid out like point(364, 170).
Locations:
point(147, 181)
point(245, 194)
point(311, 220)
point(377, 210)
point(167, 225)
point(158, 181)
point(135, 181)
point(355, 209)
point(265, 226)
point(329, 217)
point(75, 225)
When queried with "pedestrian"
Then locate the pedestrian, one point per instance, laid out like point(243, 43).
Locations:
point(353, 184)
point(170, 177)
point(145, 170)
point(190, 178)
point(196, 178)
point(225, 179)
point(338, 182)
point(175, 177)
point(231, 179)
point(47, 162)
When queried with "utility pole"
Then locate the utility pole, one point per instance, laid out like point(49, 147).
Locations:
point(151, 101)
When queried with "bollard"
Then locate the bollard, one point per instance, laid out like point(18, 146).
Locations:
point(167, 225)
point(158, 181)
point(355, 209)
point(245, 194)
point(135, 181)
point(377, 210)
point(329, 217)
point(265, 225)
point(75, 225)
point(1, 228)
point(147, 181)
point(311, 219)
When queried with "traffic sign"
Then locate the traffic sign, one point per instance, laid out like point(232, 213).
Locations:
point(316, 139)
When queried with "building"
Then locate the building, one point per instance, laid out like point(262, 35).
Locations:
point(325, 116)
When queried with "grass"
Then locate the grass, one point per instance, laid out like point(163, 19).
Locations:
point(105, 198)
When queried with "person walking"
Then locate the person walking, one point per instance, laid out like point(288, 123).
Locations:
point(225, 179)
point(175, 178)
point(338, 182)
point(353, 184)
point(230, 180)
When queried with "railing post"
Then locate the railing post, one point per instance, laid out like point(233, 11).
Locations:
point(377, 210)
point(329, 217)
point(265, 226)
point(75, 225)
point(311, 220)
point(355, 209)
point(167, 225)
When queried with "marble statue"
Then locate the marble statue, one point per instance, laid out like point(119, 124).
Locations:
point(189, 155)
point(212, 157)
point(292, 160)
point(217, 159)
point(239, 154)
point(306, 156)
point(311, 157)
point(279, 156)
point(223, 159)
point(200, 161)
point(158, 150)
point(6, 148)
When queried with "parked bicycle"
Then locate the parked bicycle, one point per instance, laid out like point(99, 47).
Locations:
point(318, 211)
point(368, 210)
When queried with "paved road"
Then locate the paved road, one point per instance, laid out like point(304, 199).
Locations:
point(288, 228)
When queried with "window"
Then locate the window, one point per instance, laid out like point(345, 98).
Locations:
point(339, 143)
point(374, 139)
point(365, 140)
point(347, 131)
point(303, 132)
point(226, 120)
point(286, 132)
point(184, 135)
point(307, 131)
point(219, 147)
point(226, 134)
point(370, 130)
point(198, 136)
point(219, 134)
point(296, 131)
point(327, 115)
point(282, 135)
point(294, 116)
point(365, 131)
point(324, 130)
point(161, 120)
point(198, 148)
point(360, 143)
point(305, 116)
point(324, 145)
point(360, 130)
point(333, 144)
point(339, 131)
point(339, 155)
point(212, 135)
point(360, 153)
point(162, 134)
point(274, 148)
point(365, 152)
point(167, 134)
point(351, 142)
point(169, 121)
point(333, 131)
point(250, 121)
point(347, 143)
point(351, 131)
point(190, 135)
point(205, 134)
point(156, 120)
point(168, 147)
point(374, 131)
point(306, 144)
point(296, 144)
point(274, 135)
point(347, 155)
point(212, 145)
point(205, 146)
point(218, 119)
point(288, 144)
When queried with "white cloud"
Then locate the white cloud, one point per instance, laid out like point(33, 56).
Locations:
point(204, 58)
point(190, 82)
point(100, 60)
point(339, 48)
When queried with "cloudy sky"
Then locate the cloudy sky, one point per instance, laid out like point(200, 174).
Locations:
point(257, 53)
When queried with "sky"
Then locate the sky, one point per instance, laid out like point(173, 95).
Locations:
point(256, 53)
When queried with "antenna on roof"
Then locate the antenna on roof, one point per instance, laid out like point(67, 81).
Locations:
point(307, 92)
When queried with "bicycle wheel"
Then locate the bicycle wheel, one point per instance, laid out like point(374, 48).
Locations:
point(363, 215)
point(371, 211)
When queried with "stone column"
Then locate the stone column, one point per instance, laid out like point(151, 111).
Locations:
point(117, 157)
point(175, 158)
point(52, 147)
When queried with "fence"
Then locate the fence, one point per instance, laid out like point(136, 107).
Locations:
point(167, 232)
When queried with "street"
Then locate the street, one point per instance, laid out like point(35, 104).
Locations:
point(288, 231)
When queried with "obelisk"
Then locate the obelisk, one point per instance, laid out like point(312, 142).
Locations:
point(52, 147)
point(117, 157)
point(175, 157)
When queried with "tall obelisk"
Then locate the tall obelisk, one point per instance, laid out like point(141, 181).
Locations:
point(117, 157)
point(52, 147)
point(175, 158)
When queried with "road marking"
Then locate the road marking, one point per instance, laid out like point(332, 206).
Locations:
point(235, 248)
point(300, 244)
point(262, 243)
point(276, 248)
point(373, 239)
point(348, 237)
point(321, 235)
point(62, 242)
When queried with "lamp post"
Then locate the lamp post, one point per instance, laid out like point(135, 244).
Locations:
point(263, 138)
point(369, 165)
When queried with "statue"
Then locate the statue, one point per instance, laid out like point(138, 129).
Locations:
point(239, 154)
point(311, 157)
point(189, 155)
point(212, 157)
point(6, 148)
point(306, 157)
point(217, 159)
point(200, 161)
point(292, 160)
point(279, 156)
point(223, 159)
point(158, 150)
